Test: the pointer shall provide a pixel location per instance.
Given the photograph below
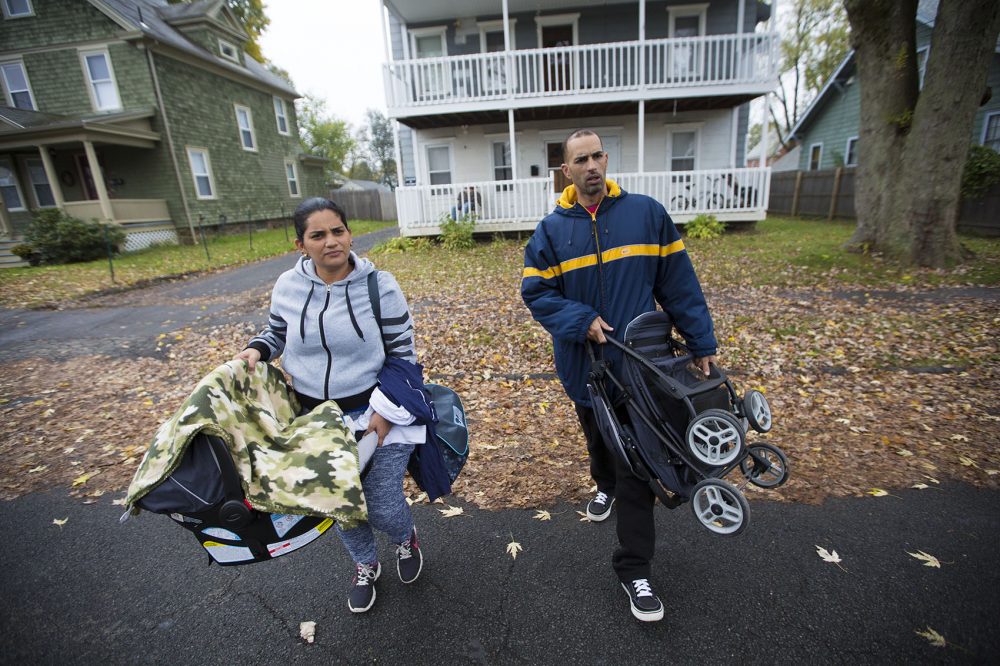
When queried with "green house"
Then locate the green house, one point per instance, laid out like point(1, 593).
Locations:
point(146, 114)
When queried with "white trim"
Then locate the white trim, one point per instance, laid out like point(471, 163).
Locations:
point(819, 160)
point(683, 127)
point(84, 54)
point(557, 20)
point(17, 185)
point(986, 125)
point(7, 87)
point(7, 14)
point(677, 11)
point(847, 151)
point(209, 174)
point(495, 26)
point(295, 178)
point(283, 115)
point(427, 162)
point(240, 129)
point(234, 56)
point(439, 30)
point(25, 159)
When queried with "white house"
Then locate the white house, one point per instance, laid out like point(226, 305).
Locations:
point(483, 92)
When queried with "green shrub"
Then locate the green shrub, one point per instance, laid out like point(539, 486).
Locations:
point(704, 226)
point(56, 238)
point(397, 245)
point(982, 171)
point(27, 253)
point(457, 234)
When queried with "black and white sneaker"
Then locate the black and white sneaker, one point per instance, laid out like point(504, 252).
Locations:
point(599, 508)
point(409, 559)
point(362, 594)
point(646, 606)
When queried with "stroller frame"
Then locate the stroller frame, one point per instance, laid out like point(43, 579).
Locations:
point(674, 473)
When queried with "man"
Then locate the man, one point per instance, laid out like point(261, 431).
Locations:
point(600, 259)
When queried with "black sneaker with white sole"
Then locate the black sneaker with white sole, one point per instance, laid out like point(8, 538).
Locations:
point(646, 606)
point(599, 508)
point(362, 594)
point(409, 559)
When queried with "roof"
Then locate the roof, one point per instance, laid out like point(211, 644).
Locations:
point(154, 19)
point(355, 184)
point(20, 128)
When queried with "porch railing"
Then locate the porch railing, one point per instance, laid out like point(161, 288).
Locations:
point(123, 211)
point(518, 205)
point(712, 60)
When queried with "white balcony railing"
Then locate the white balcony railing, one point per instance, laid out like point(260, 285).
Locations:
point(518, 205)
point(715, 60)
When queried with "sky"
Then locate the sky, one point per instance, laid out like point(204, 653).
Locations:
point(333, 50)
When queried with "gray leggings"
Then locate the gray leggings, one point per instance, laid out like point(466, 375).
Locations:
point(387, 508)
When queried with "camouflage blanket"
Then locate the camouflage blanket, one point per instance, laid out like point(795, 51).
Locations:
point(288, 464)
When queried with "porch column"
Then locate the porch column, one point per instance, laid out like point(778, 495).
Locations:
point(508, 57)
point(642, 136)
point(50, 173)
point(385, 35)
point(513, 147)
point(98, 176)
point(398, 153)
point(642, 86)
point(740, 44)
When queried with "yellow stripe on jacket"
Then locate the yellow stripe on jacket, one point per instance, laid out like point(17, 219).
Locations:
point(613, 254)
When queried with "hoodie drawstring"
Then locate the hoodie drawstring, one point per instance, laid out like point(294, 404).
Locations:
point(302, 316)
point(350, 312)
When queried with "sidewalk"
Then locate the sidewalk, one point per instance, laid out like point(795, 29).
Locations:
point(93, 591)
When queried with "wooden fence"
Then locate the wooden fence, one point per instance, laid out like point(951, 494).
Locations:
point(830, 194)
point(366, 204)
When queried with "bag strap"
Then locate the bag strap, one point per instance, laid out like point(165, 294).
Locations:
point(376, 300)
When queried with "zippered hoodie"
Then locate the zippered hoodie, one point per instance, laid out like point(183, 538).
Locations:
point(618, 263)
point(331, 343)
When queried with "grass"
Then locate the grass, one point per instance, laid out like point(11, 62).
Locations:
point(791, 252)
point(46, 285)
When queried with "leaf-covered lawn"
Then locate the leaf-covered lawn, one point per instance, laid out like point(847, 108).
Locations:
point(877, 378)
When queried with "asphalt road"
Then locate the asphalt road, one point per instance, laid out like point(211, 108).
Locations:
point(94, 591)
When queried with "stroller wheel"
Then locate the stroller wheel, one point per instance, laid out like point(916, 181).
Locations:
point(765, 465)
point(715, 437)
point(757, 411)
point(720, 507)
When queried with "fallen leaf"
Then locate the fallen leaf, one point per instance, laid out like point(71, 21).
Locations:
point(828, 555)
point(967, 462)
point(584, 519)
point(452, 511)
point(935, 639)
point(920, 486)
point(513, 548)
point(905, 453)
point(59, 521)
point(83, 478)
point(40, 468)
point(307, 630)
point(877, 492)
point(119, 502)
point(928, 560)
point(959, 438)
point(542, 515)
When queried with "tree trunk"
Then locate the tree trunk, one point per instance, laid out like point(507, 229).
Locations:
point(913, 144)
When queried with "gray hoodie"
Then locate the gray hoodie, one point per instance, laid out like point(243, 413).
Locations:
point(331, 343)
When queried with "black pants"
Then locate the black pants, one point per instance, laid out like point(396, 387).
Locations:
point(634, 502)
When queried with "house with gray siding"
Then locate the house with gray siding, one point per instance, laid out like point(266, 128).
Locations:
point(482, 93)
point(827, 133)
point(145, 114)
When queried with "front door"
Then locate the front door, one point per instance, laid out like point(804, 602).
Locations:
point(557, 71)
point(554, 156)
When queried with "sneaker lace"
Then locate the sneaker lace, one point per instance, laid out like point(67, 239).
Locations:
point(365, 574)
point(601, 498)
point(404, 551)
point(642, 588)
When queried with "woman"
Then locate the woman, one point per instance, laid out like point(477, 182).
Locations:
point(321, 319)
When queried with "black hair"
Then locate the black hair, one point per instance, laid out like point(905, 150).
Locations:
point(576, 134)
point(310, 206)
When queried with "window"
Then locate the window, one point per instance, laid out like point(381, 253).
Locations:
point(991, 131)
point(101, 80)
point(40, 183)
point(501, 161)
point(439, 164)
point(433, 80)
point(922, 65)
point(292, 174)
point(15, 85)
point(9, 187)
point(201, 171)
point(244, 122)
point(683, 150)
point(815, 156)
point(17, 8)
point(228, 51)
point(281, 115)
point(851, 153)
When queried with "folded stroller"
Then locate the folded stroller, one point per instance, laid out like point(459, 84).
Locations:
point(681, 431)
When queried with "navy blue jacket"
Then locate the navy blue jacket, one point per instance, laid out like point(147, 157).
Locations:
point(618, 263)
